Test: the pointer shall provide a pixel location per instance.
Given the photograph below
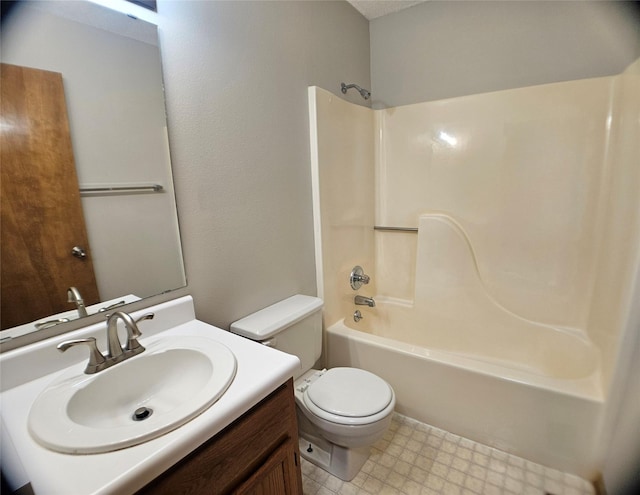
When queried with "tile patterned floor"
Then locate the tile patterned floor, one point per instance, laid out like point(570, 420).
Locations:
point(415, 458)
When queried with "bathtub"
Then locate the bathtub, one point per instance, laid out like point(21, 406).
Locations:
point(529, 399)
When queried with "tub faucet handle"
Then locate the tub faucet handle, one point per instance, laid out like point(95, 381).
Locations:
point(357, 278)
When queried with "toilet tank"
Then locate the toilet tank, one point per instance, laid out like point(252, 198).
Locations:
point(293, 325)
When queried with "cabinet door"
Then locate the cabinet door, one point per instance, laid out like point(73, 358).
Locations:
point(277, 476)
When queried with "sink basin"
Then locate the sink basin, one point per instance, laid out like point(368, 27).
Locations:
point(173, 381)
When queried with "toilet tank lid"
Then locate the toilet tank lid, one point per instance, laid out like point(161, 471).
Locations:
point(267, 322)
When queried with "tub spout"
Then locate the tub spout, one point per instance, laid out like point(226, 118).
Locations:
point(365, 301)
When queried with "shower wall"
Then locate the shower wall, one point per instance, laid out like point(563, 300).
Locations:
point(543, 182)
point(342, 155)
point(520, 170)
point(619, 249)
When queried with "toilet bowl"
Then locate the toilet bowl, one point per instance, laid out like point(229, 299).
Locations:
point(341, 411)
point(351, 407)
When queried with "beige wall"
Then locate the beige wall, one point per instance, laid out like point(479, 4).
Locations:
point(441, 49)
point(236, 76)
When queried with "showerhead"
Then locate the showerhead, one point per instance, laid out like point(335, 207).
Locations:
point(366, 94)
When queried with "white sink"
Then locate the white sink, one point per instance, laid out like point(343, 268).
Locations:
point(175, 378)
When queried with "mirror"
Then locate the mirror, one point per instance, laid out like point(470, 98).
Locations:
point(112, 78)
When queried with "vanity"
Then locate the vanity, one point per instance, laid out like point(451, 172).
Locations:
point(245, 442)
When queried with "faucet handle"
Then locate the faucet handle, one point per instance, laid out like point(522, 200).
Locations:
point(357, 278)
point(50, 323)
point(147, 316)
point(134, 334)
point(97, 361)
point(112, 306)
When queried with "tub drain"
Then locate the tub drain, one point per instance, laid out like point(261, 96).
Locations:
point(142, 413)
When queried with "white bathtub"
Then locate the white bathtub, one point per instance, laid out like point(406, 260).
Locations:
point(532, 400)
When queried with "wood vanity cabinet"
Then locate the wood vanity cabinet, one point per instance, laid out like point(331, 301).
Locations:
point(256, 454)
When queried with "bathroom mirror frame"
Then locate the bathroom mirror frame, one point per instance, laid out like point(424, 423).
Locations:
point(124, 25)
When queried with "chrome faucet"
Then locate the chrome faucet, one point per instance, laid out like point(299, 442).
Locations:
point(115, 352)
point(365, 301)
point(73, 296)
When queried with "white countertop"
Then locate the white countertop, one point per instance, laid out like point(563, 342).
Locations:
point(260, 370)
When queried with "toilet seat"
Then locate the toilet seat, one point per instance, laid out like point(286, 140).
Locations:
point(349, 396)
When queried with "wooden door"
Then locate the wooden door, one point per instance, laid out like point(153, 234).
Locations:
point(42, 218)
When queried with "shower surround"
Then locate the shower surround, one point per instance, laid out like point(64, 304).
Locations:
point(502, 318)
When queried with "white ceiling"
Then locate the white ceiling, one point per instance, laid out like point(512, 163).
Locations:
point(377, 8)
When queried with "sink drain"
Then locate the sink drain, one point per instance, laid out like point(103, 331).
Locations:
point(142, 413)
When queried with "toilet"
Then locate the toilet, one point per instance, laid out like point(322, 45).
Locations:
point(341, 411)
